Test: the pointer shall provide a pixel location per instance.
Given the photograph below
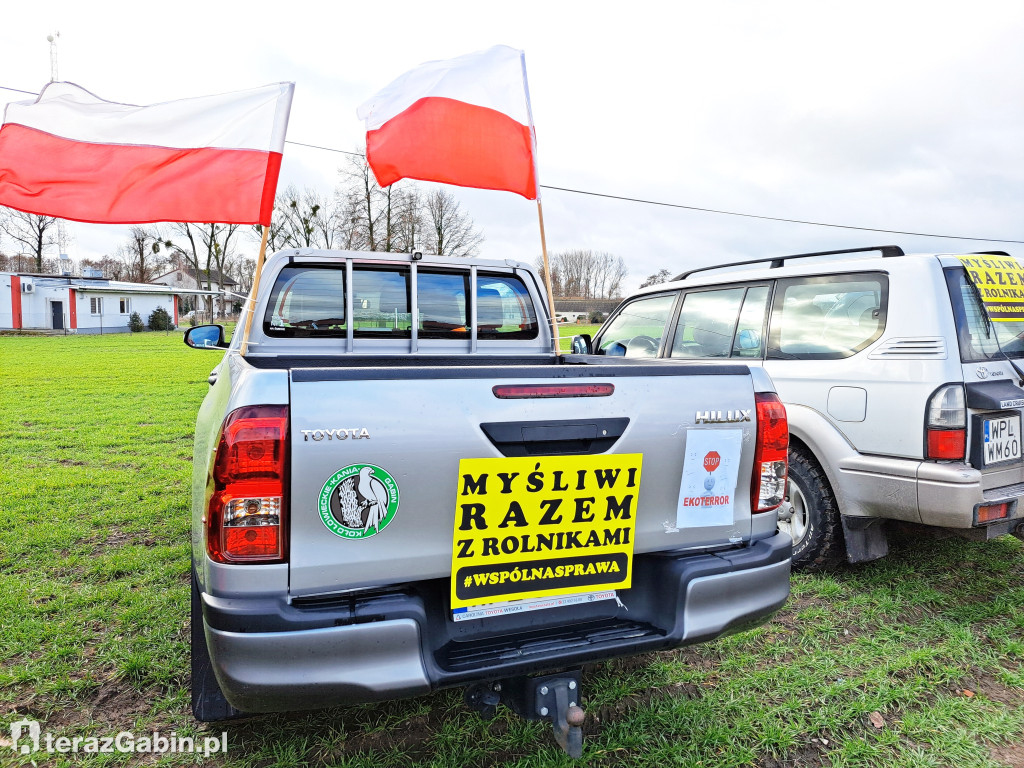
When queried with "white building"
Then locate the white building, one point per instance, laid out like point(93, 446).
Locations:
point(80, 304)
point(209, 279)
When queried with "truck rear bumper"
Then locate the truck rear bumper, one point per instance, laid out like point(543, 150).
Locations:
point(945, 495)
point(272, 656)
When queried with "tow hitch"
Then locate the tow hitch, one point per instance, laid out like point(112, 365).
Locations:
point(551, 697)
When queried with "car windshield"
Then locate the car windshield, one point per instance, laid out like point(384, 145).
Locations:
point(980, 339)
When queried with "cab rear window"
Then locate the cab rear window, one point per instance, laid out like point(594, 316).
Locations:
point(310, 301)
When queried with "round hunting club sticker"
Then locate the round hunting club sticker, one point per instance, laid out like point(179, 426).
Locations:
point(359, 501)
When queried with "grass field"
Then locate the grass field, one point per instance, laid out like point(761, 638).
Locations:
point(567, 330)
point(915, 661)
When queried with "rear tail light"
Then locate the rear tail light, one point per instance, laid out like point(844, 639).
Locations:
point(771, 462)
point(946, 424)
point(992, 512)
point(246, 513)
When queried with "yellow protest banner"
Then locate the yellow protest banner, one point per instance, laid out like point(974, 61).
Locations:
point(543, 525)
point(1000, 282)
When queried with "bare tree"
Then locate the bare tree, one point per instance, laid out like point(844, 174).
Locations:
point(30, 232)
point(332, 224)
point(450, 231)
point(109, 268)
point(364, 202)
point(659, 277)
point(205, 247)
point(243, 270)
point(16, 262)
point(141, 253)
point(409, 220)
point(309, 220)
point(221, 250)
point(586, 274)
point(373, 218)
point(606, 276)
point(363, 216)
point(296, 213)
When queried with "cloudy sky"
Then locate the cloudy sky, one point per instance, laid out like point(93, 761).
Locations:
point(898, 115)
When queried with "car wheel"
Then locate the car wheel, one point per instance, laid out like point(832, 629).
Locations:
point(811, 516)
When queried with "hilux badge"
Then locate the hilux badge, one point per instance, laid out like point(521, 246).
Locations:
point(358, 501)
point(722, 417)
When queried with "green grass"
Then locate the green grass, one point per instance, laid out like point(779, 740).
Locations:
point(96, 441)
point(567, 330)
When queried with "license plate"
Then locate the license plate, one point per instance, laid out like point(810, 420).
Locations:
point(543, 526)
point(1001, 441)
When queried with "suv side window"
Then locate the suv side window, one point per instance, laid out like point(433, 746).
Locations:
point(828, 317)
point(637, 329)
point(708, 324)
point(749, 341)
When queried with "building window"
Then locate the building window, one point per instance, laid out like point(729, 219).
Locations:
point(126, 305)
point(95, 305)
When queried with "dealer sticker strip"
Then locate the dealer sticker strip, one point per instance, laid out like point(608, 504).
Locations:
point(523, 606)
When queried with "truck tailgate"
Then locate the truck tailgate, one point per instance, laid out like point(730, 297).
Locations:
point(375, 458)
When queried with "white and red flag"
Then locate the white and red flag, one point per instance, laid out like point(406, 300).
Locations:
point(76, 156)
point(463, 121)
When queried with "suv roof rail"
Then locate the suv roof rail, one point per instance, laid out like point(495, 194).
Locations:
point(887, 251)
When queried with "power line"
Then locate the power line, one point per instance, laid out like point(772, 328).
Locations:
point(18, 90)
point(775, 218)
point(327, 149)
point(680, 205)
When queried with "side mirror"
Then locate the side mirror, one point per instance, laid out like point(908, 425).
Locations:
point(582, 344)
point(206, 337)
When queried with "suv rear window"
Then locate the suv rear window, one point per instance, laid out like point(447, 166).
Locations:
point(828, 317)
point(979, 338)
point(310, 301)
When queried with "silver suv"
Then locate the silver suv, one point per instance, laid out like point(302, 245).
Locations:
point(904, 400)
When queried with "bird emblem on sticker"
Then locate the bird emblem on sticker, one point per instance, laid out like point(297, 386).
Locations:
point(358, 501)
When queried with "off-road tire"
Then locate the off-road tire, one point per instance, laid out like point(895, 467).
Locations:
point(821, 546)
point(208, 702)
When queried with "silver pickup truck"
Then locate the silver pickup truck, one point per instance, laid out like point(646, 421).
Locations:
point(401, 487)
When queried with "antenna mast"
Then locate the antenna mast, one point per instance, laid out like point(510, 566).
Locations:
point(67, 265)
point(52, 40)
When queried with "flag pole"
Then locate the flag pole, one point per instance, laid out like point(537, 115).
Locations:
point(255, 290)
point(547, 278)
point(540, 210)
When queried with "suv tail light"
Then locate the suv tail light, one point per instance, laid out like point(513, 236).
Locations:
point(945, 424)
point(771, 454)
point(246, 512)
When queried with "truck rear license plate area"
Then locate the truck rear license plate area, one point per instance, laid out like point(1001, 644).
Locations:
point(537, 527)
point(1001, 440)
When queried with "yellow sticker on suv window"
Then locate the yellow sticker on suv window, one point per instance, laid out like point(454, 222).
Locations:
point(1000, 282)
point(543, 525)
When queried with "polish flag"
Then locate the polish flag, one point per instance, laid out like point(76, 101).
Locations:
point(73, 155)
point(463, 121)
